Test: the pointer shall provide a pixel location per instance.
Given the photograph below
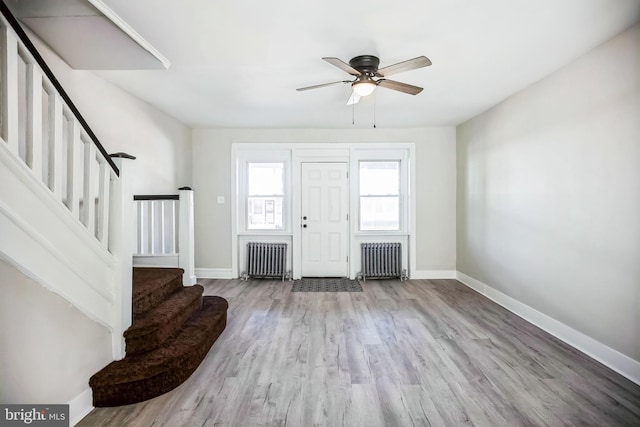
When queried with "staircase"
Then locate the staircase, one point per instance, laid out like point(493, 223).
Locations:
point(172, 331)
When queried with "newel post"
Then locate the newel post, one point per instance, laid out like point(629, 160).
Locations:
point(121, 234)
point(186, 233)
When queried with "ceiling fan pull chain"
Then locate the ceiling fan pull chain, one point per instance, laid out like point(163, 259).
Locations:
point(375, 103)
point(353, 114)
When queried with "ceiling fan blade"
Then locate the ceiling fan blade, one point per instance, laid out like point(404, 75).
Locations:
point(322, 85)
point(342, 65)
point(353, 99)
point(411, 64)
point(400, 87)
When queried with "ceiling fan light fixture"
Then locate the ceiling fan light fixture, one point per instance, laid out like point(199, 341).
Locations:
point(365, 69)
point(364, 87)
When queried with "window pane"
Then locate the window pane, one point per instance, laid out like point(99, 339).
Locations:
point(265, 191)
point(264, 213)
point(380, 213)
point(379, 178)
point(266, 179)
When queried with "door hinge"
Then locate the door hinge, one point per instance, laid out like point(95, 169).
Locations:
point(347, 258)
point(347, 217)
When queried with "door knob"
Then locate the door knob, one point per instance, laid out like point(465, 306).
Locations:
point(304, 225)
point(304, 217)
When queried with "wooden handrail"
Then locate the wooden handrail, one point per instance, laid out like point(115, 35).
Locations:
point(160, 196)
point(157, 197)
point(56, 84)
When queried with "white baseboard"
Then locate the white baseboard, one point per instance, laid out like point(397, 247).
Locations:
point(80, 406)
point(227, 273)
point(622, 364)
point(215, 273)
point(434, 274)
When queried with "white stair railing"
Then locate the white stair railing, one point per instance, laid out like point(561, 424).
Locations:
point(63, 200)
point(164, 232)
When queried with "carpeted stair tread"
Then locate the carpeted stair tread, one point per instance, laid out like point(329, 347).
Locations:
point(144, 376)
point(134, 368)
point(152, 285)
point(148, 331)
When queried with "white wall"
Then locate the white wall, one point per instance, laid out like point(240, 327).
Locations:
point(48, 349)
point(124, 123)
point(435, 189)
point(549, 195)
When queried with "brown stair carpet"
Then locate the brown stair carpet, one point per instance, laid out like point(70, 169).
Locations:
point(152, 285)
point(166, 342)
point(161, 322)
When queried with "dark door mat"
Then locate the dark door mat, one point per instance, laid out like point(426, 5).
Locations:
point(326, 285)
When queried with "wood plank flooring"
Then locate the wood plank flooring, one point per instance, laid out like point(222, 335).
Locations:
point(414, 353)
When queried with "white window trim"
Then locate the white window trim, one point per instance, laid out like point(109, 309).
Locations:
point(279, 196)
point(399, 196)
point(293, 154)
point(243, 158)
point(399, 155)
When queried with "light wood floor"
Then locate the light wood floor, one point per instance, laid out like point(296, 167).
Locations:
point(418, 353)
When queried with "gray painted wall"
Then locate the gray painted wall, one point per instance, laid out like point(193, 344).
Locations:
point(435, 186)
point(548, 198)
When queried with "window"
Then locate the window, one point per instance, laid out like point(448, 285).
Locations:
point(379, 195)
point(265, 194)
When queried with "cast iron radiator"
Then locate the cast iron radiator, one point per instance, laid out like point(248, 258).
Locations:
point(266, 260)
point(381, 261)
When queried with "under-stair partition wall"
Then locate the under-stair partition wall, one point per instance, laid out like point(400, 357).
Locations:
point(64, 204)
point(164, 232)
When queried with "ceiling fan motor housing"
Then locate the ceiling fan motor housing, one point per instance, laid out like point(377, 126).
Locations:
point(366, 64)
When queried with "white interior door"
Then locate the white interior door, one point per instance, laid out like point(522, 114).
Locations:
point(325, 219)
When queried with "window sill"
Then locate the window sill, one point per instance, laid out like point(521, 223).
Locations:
point(380, 233)
point(265, 233)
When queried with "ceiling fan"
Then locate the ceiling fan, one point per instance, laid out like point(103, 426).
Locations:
point(368, 76)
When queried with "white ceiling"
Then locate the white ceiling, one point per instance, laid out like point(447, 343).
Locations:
point(237, 63)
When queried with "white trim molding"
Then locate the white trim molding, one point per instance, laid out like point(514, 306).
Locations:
point(80, 406)
point(215, 273)
point(129, 31)
point(296, 153)
point(622, 364)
